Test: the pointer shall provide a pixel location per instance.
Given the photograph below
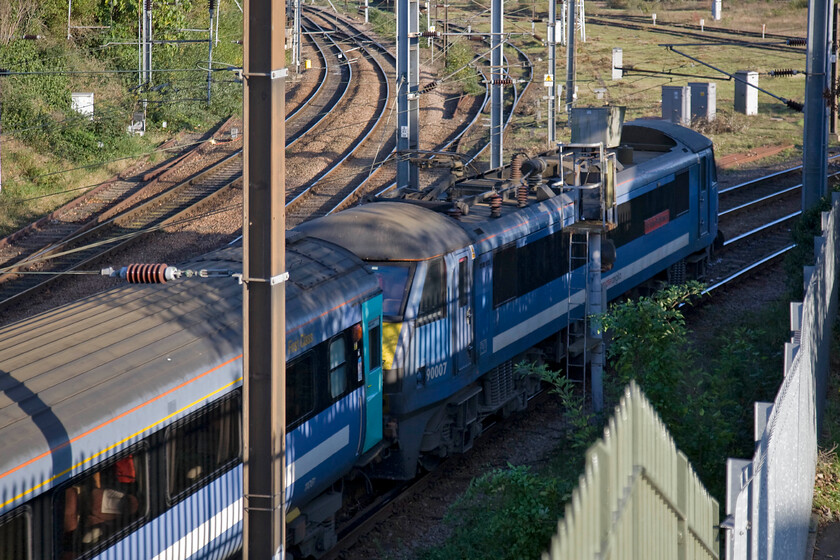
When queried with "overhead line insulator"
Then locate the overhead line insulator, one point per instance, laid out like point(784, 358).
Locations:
point(795, 105)
point(501, 82)
point(796, 42)
point(429, 87)
point(784, 72)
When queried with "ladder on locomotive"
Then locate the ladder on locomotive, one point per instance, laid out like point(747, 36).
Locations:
point(590, 170)
point(577, 324)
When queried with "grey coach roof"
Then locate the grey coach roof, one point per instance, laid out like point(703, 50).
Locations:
point(390, 231)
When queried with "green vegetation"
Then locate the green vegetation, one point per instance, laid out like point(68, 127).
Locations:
point(706, 404)
point(507, 514)
point(383, 22)
point(806, 228)
point(459, 68)
point(43, 137)
point(827, 484)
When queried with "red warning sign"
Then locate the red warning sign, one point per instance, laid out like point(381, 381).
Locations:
point(657, 221)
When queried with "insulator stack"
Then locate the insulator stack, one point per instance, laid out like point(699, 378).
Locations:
point(211, 4)
point(148, 5)
point(516, 168)
point(146, 273)
point(796, 42)
point(430, 34)
point(495, 205)
point(795, 105)
point(429, 87)
point(502, 82)
point(476, 37)
point(522, 195)
point(784, 72)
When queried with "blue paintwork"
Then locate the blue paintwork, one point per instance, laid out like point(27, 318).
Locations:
point(176, 523)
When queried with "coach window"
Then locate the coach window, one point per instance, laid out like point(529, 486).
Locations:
point(300, 389)
point(433, 297)
point(202, 446)
point(338, 367)
point(375, 344)
point(101, 506)
point(15, 536)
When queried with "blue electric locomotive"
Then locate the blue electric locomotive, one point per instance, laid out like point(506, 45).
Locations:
point(477, 274)
point(120, 415)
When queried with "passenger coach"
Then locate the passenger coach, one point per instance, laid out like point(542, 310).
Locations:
point(120, 414)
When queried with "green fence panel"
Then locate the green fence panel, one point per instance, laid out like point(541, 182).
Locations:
point(638, 498)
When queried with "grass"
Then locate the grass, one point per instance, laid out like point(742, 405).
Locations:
point(50, 154)
point(827, 484)
point(512, 512)
point(641, 93)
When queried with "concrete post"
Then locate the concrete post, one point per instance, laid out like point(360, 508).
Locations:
point(815, 134)
point(552, 70)
point(408, 79)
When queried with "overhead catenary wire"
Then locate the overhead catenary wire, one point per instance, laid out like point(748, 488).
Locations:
point(792, 104)
point(40, 258)
point(105, 162)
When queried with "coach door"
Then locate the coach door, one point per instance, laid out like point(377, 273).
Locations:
point(462, 332)
point(372, 359)
point(703, 220)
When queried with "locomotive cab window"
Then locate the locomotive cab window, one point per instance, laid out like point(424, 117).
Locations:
point(394, 280)
point(99, 507)
point(433, 298)
point(203, 446)
point(15, 536)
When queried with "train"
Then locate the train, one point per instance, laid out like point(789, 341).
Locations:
point(120, 414)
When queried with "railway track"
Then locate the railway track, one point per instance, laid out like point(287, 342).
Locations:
point(86, 245)
point(352, 149)
point(707, 37)
point(325, 189)
point(331, 86)
point(757, 217)
point(473, 140)
point(646, 20)
point(121, 212)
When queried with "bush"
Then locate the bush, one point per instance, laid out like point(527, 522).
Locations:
point(505, 514)
point(458, 68)
point(383, 23)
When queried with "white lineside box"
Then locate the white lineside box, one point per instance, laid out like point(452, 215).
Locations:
point(746, 96)
point(82, 103)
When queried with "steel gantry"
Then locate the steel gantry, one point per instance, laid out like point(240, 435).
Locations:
point(497, 76)
point(552, 70)
point(408, 79)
